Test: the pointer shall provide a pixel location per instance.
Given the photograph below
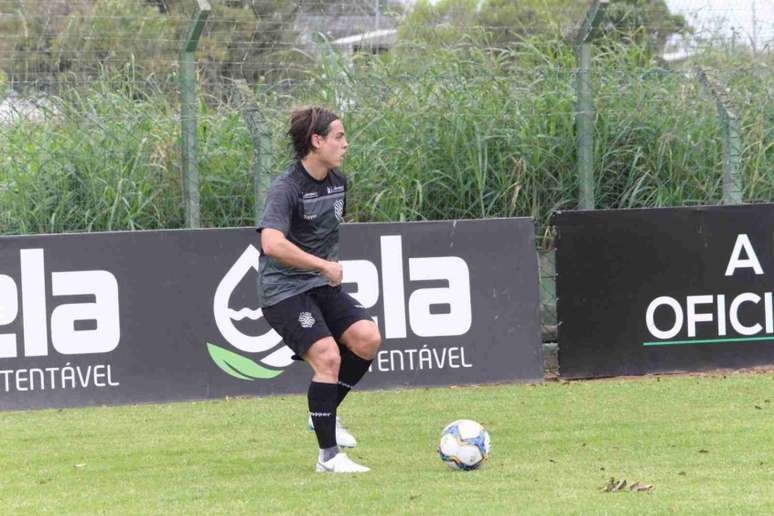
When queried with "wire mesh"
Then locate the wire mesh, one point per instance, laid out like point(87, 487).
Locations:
point(450, 115)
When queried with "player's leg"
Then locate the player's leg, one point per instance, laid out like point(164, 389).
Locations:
point(302, 326)
point(344, 315)
point(300, 334)
point(353, 328)
point(361, 342)
point(365, 341)
point(323, 357)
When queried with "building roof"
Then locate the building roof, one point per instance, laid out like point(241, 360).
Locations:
point(337, 27)
point(377, 37)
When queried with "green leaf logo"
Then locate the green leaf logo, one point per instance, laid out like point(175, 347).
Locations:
point(238, 366)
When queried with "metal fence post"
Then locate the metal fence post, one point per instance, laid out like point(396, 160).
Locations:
point(261, 138)
point(188, 110)
point(732, 141)
point(584, 117)
point(263, 170)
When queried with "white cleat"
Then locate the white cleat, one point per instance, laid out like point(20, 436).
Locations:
point(344, 439)
point(340, 463)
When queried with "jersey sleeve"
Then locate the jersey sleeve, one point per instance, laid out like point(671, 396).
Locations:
point(281, 201)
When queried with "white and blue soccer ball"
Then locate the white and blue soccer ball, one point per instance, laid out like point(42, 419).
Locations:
point(464, 445)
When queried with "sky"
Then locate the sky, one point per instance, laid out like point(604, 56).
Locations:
point(732, 15)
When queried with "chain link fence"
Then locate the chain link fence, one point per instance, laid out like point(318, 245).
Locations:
point(447, 118)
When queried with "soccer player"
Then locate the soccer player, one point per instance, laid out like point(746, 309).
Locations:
point(299, 285)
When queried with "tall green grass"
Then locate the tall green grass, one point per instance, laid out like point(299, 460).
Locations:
point(436, 132)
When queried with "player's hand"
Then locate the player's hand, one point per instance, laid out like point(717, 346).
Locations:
point(333, 273)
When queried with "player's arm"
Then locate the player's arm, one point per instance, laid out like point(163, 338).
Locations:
point(274, 244)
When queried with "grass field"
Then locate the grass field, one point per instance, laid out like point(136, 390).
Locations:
point(703, 442)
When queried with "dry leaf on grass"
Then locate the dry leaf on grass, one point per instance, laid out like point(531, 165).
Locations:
point(618, 486)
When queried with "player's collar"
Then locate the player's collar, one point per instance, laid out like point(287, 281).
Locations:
point(302, 170)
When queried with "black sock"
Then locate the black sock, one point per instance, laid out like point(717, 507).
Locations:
point(351, 370)
point(327, 454)
point(322, 407)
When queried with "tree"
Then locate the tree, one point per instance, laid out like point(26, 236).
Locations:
point(632, 21)
point(647, 22)
point(77, 40)
point(444, 21)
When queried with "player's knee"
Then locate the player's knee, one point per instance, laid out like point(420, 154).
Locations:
point(369, 342)
point(330, 361)
point(374, 341)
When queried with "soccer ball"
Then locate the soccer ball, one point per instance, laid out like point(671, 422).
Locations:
point(464, 445)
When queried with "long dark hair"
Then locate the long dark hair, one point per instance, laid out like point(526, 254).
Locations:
point(306, 121)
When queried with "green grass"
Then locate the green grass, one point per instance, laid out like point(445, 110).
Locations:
point(455, 131)
point(704, 442)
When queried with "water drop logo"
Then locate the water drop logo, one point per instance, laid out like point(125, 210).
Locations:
point(273, 356)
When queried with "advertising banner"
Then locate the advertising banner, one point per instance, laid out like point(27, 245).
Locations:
point(660, 290)
point(153, 316)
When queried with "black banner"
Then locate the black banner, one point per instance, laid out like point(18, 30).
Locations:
point(659, 290)
point(154, 316)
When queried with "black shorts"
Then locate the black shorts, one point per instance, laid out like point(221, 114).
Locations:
point(321, 312)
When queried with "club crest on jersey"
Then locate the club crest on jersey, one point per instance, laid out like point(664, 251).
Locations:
point(306, 320)
point(338, 208)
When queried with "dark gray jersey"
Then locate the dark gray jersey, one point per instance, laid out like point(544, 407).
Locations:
point(308, 212)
